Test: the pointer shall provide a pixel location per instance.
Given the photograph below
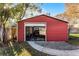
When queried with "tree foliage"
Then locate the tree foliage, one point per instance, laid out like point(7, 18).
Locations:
point(13, 11)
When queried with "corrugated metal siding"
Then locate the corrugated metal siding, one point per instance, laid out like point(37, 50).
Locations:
point(56, 30)
point(20, 31)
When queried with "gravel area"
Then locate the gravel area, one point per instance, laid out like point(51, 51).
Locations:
point(57, 45)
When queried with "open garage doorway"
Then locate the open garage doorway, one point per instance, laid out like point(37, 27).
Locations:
point(35, 31)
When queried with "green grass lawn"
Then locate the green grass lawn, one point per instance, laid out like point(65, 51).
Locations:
point(73, 39)
point(74, 35)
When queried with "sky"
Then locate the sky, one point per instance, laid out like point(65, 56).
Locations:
point(53, 8)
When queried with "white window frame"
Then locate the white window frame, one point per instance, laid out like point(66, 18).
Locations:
point(35, 24)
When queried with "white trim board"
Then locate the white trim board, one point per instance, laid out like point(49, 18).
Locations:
point(35, 24)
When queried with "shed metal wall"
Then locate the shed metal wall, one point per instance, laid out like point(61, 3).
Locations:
point(56, 30)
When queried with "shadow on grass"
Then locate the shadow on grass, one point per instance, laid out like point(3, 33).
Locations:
point(73, 40)
point(16, 49)
point(12, 50)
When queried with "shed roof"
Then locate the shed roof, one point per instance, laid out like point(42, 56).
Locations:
point(45, 16)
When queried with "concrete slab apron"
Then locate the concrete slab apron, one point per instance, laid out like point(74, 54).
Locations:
point(54, 51)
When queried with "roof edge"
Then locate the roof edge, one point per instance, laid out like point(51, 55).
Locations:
point(55, 18)
point(46, 16)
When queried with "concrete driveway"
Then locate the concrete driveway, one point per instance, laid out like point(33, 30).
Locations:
point(55, 48)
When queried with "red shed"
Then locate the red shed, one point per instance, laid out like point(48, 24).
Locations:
point(42, 28)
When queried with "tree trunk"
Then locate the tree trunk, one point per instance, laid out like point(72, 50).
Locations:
point(1, 34)
point(4, 34)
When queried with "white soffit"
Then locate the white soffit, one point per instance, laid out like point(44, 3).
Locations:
point(35, 24)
